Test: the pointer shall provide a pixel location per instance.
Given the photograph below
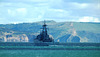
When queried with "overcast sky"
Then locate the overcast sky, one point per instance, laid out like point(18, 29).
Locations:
point(19, 11)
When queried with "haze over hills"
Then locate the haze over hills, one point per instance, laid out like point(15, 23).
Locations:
point(61, 31)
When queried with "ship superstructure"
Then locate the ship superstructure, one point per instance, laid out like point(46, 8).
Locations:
point(44, 36)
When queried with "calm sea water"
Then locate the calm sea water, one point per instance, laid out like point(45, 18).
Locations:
point(49, 53)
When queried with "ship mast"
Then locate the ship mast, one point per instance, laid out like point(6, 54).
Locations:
point(44, 30)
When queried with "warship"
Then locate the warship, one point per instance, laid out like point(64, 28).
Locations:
point(43, 38)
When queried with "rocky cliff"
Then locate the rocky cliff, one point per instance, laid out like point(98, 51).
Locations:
point(7, 35)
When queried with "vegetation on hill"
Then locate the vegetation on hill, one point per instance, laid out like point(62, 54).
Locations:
point(83, 31)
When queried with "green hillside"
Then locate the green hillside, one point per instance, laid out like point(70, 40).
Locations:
point(87, 32)
point(85, 26)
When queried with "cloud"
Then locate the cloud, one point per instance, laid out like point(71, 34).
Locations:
point(22, 11)
point(69, 5)
point(60, 10)
point(11, 12)
point(75, 5)
point(23, 1)
point(17, 12)
point(82, 1)
point(88, 19)
point(14, 5)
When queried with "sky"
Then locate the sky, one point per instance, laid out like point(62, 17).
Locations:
point(19, 11)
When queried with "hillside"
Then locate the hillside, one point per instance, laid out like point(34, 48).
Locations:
point(8, 35)
point(61, 31)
